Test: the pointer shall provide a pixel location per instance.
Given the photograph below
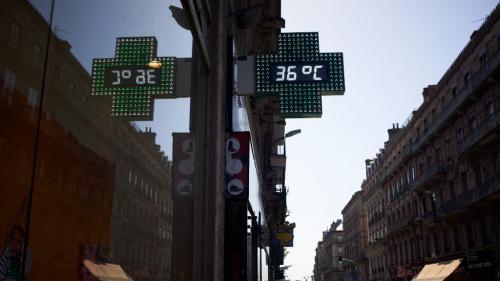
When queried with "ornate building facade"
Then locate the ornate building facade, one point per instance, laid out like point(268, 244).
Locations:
point(432, 193)
point(355, 227)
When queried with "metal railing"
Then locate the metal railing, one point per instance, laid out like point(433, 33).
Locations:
point(469, 197)
point(487, 125)
point(430, 217)
point(399, 224)
point(436, 170)
point(405, 152)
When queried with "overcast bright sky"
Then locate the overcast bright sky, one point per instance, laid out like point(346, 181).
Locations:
point(392, 50)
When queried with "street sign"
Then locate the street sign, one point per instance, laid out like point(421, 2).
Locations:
point(134, 78)
point(183, 167)
point(237, 153)
point(299, 74)
point(284, 234)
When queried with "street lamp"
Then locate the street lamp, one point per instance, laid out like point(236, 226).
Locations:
point(275, 148)
point(288, 134)
point(292, 133)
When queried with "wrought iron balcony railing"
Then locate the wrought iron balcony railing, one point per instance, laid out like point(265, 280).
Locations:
point(399, 224)
point(433, 173)
point(485, 128)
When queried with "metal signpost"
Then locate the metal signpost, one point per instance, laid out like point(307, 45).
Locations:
point(236, 206)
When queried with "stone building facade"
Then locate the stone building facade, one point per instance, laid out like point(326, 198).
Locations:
point(355, 227)
point(432, 193)
point(328, 253)
point(375, 204)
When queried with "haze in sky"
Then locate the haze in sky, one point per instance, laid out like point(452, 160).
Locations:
point(392, 50)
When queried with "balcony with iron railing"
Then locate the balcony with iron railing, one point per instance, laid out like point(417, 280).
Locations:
point(373, 190)
point(460, 204)
point(400, 224)
point(377, 243)
point(435, 173)
point(477, 79)
point(400, 192)
point(487, 125)
point(403, 154)
point(431, 218)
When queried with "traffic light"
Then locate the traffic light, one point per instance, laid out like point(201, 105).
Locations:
point(279, 274)
point(340, 261)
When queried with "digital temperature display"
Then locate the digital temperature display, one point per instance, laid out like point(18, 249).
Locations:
point(300, 72)
point(124, 76)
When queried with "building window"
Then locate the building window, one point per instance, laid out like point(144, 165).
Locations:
point(483, 58)
point(485, 225)
point(453, 189)
point(33, 97)
point(478, 171)
point(471, 234)
point(472, 122)
point(465, 181)
point(448, 149)
point(437, 245)
point(489, 108)
point(71, 87)
point(467, 78)
point(446, 241)
point(428, 247)
point(456, 238)
point(454, 92)
point(496, 161)
point(37, 55)
point(460, 133)
point(9, 79)
point(15, 32)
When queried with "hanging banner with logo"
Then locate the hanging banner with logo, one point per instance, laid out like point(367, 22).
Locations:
point(183, 165)
point(237, 152)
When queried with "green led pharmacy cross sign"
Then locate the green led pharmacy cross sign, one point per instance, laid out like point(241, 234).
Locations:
point(134, 78)
point(299, 74)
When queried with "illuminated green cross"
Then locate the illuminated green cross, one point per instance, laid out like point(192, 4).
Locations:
point(300, 74)
point(134, 78)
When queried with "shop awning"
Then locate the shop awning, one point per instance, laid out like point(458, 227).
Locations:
point(437, 271)
point(106, 271)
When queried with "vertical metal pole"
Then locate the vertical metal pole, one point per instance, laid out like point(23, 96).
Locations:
point(235, 233)
point(260, 249)
point(229, 84)
point(182, 260)
point(36, 146)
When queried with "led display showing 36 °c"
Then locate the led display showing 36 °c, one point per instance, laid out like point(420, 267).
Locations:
point(300, 72)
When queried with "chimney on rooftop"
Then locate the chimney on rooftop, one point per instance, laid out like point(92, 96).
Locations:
point(149, 135)
point(392, 132)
